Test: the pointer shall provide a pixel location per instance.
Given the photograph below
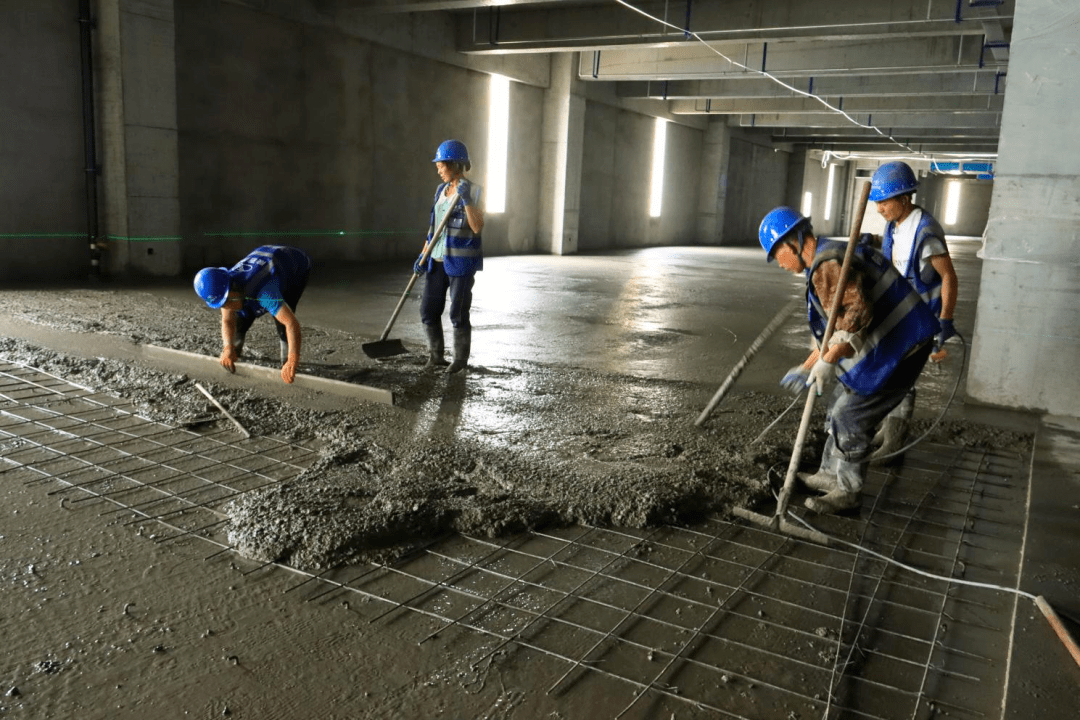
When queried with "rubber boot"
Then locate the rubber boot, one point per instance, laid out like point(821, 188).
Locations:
point(893, 430)
point(462, 345)
point(822, 481)
point(845, 496)
point(436, 347)
point(837, 500)
point(825, 478)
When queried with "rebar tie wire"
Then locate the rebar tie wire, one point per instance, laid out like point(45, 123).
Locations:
point(834, 681)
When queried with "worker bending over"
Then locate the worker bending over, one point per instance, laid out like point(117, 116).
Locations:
point(881, 340)
point(915, 244)
point(271, 280)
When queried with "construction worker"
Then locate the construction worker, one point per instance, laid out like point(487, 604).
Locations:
point(271, 280)
point(455, 258)
point(881, 341)
point(915, 243)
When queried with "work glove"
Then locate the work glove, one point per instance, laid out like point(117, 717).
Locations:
point(228, 358)
point(947, 331)
point(288, 370)
point(464, 191)
point(795, 380)
point(420, 266)
point(820, 375)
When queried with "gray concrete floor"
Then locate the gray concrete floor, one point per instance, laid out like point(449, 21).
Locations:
point(689, 314)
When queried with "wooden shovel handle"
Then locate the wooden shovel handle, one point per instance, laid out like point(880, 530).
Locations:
point(428, 247)
point(800, 438)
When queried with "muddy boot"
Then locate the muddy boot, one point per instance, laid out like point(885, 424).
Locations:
point(894, 431)
point(462, 345)
point(822, 481)
point(436, 347)
point(837, 500)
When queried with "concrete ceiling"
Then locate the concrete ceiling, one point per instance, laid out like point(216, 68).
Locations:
point(926, 74)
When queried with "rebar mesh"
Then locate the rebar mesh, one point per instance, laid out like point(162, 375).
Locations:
point(725, 618)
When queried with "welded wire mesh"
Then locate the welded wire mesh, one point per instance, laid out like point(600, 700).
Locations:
point(722, 619)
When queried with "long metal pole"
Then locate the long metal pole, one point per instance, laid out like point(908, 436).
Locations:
point(86, 26)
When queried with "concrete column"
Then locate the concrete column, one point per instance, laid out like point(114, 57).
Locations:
point(563, 133)
point(1027, 327)
point(135, 57)
point(716, 152)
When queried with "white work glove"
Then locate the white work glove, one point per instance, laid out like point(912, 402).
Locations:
point(820, 375)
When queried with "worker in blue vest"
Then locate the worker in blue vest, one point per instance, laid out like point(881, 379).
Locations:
point(270, 280)
point(915, 244)
point(456, 256)
point(881, 340)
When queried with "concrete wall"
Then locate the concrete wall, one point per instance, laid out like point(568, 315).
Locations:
point(757, 182)
point(616, 179)
point(1027, 325)
point(43, 183)
point(974, 204)
point(300, 132)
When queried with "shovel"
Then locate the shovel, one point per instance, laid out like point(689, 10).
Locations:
point(777, 521)
point(383, 348)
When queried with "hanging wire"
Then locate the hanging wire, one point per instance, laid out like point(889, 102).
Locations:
point(778, 81)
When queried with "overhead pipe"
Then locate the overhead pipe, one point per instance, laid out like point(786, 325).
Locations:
point(86, 26)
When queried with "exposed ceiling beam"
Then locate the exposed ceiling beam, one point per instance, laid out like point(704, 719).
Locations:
point(787, 59)
point(557, 28)
point(934, 147)
point(899, 103)
point(929, 73)
point(972, 82)
point(885, 121)
point(410, 6)
point(801, 134)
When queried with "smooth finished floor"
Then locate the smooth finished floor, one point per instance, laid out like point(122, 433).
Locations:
point(689, 314)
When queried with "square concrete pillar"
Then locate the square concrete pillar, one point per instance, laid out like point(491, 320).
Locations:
point(1027, 326)
point(135, 57)
point(563, 133)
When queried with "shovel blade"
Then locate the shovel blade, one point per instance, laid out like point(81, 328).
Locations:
point(383, 349)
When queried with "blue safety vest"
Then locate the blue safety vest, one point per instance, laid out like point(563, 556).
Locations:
point(920, 273)
point(464, 251)
point(266, 275)
point(901, 320)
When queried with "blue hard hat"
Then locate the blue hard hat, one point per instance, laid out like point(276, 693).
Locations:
point(212, 285)
point(892, 179)
point(778, 223)
point(452, 151)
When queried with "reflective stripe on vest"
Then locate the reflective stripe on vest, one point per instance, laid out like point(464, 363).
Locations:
point(927, 283)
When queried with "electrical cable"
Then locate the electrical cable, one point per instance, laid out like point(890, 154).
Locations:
point(778, 418)
point(1040, 602)
point(917, 571)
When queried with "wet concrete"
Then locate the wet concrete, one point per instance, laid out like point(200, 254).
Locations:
point(586, 376)
point(578, 407)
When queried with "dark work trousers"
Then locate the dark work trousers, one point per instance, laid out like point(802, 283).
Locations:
point(853, 419)
point(291, 298)
point(433, 301)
